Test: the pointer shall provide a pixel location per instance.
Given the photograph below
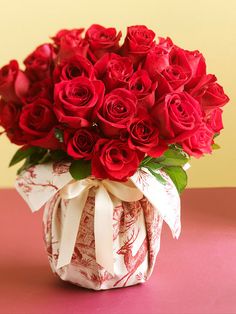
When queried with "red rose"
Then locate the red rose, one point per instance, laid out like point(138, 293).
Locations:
point(118, 108)
point(192, 63)
point(76, 100)
point(178, 116)
point(141, 85)
point(139, 40)
point(114, 160)
point(9, 120)
point(158, 57)
point(114, 70)
point(198, 90)
point(178, 57)
point(18, 136)
point(71, 43)
point(156, 61)
point(73, 33)
point(165, 43)
point(13, 82)
point(102, 40)
point(38, 121)
point(39, 89)
point(81, 144)
point(144, 135)
point(173, 68)
point(214, 120)
point(199, 143)
point(73, 67)
point(210, 96)
point(9, 114)
point(175, 77)
point(171, 79)
point(39, 64)
point(197, 64)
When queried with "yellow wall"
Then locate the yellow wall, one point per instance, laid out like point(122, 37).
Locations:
point(207, 25)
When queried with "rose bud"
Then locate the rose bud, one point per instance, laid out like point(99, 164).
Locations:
point(214, 120)
point(13, 82)
point(73, 33)
point(101, 40)
point(39, 64)
point(9, 120)
point(138, 42)
point(158, 57)
point(70, 43)
point(156, 61)
point(9, 114)
point(114, 160)
point(165, 43)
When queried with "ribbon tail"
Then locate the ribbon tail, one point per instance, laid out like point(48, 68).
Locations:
point(71, 227)
point(103, 229)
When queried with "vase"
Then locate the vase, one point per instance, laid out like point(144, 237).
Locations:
point(136, 242)
point(101, 234)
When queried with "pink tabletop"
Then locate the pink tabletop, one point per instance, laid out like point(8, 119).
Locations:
point(196, 274)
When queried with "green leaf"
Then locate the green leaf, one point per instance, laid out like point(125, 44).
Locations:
point(21, 154)
point(58, 155)
point(158, 159)
point(146, 160)
point(158, 176)
point(178, 176)
point(215, 146)
point(27, 164)
point(80, 169)
point(153, 165)
point(39, 156)
point(59, 135)
point(174, 158)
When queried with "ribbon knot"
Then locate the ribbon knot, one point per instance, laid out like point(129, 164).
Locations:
point(77, 192)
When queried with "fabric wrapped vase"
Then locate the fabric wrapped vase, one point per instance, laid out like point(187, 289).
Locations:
point(85, 247)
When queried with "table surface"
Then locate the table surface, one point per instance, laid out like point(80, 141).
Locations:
point(195, 274)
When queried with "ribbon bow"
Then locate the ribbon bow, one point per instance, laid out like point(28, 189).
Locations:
point(77, 192)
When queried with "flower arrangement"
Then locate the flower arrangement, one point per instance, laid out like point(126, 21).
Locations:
point(110, 108)
point(105, 131)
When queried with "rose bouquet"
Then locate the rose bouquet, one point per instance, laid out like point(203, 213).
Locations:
point(102, 124)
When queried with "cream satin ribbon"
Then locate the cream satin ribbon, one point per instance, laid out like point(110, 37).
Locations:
point(77, 192)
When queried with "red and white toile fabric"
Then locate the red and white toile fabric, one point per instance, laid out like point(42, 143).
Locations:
point(135, 226)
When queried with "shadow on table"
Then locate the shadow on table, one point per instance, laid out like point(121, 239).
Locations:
point(17, 277)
